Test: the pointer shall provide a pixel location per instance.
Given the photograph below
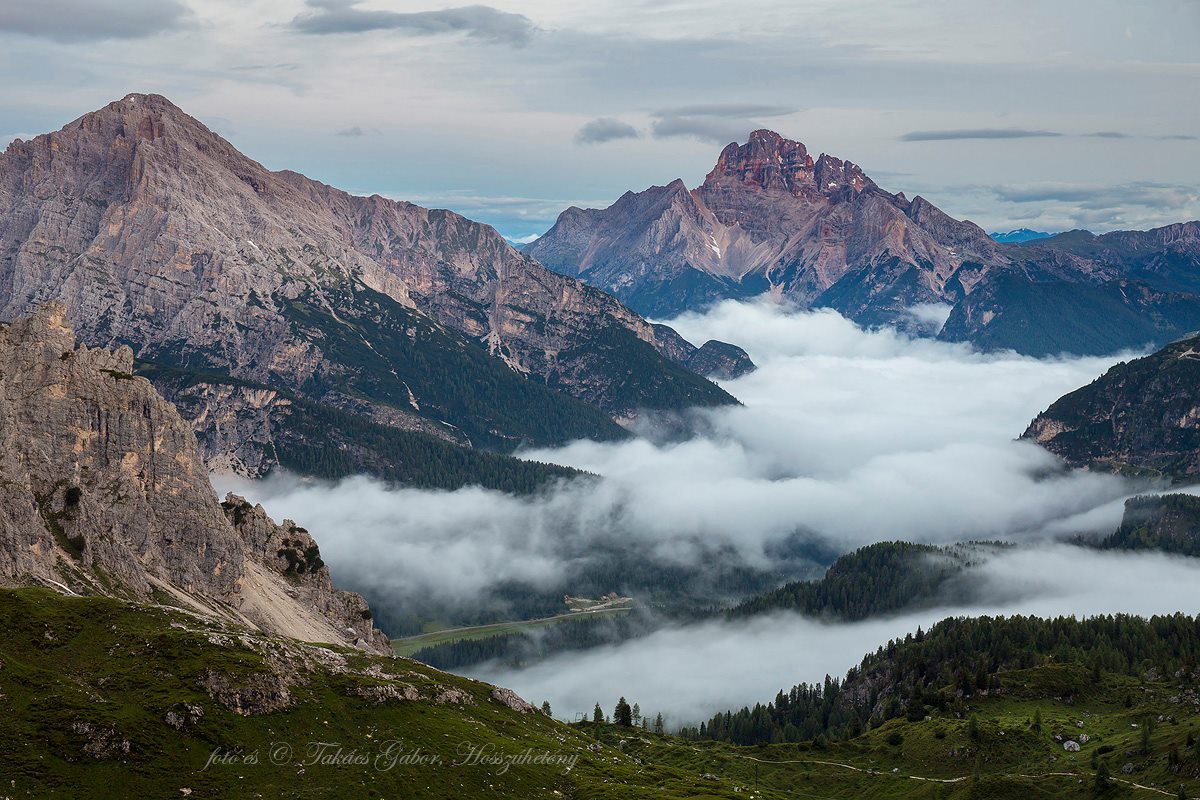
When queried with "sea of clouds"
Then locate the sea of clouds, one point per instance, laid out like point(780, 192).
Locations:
point(850, 435)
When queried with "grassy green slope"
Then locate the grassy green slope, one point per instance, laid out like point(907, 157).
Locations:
point(105, 699)
point(88, 686)
point(1007, 755)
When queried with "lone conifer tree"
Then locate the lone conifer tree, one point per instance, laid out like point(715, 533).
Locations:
point(623, 714)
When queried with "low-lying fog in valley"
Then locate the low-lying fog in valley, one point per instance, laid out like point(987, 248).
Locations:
point(846, 437)
point(690, 672)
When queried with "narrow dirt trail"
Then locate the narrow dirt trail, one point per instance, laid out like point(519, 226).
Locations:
point(960, 779)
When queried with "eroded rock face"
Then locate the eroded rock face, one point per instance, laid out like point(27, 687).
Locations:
point(508, 697)
point(154, 231)
point(103, 491)
point(289, 551)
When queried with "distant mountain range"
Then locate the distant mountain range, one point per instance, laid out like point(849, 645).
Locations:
point(1019, 235)
point(820, 233)
point(267, 305)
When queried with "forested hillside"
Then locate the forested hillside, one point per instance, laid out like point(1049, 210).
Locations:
point(962, 657)
point(876, 579)
point(1169, 523)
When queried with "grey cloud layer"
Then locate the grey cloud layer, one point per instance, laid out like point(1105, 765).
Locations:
point(1021, 133)
point(605, 129)
point(1152, 195)
point(479, 22)
point(976, 133)
point(717, 123)
point(92, 20)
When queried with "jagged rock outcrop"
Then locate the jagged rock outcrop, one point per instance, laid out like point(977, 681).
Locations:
point(1142, 415)
point(720, 360)
point(103, 491)
point(821, 233)
point(157, 233)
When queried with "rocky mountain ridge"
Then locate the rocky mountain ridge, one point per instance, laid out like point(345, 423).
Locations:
point(103, 491)
point(156, 233)
point(1141, 416)
point(820, 233)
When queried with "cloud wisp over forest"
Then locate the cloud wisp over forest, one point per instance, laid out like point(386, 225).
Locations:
point(691, 672)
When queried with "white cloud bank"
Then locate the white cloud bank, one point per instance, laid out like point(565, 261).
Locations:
point(847, 435)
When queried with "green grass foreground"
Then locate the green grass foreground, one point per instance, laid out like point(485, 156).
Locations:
point(101, 698)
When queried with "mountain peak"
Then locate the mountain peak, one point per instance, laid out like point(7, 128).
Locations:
point(767, 136)
point(169, 239)
point(135, 105)
point(766, 161)
point(145, 100)
point(140, 117)
point(770, 162)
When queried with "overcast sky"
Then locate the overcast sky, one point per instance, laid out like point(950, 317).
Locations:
point(1048, 115)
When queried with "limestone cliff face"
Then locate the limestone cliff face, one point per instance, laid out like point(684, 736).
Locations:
point(155, 232)
point(103, 491)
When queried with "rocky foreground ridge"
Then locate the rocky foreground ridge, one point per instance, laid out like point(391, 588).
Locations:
point(103, 490)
